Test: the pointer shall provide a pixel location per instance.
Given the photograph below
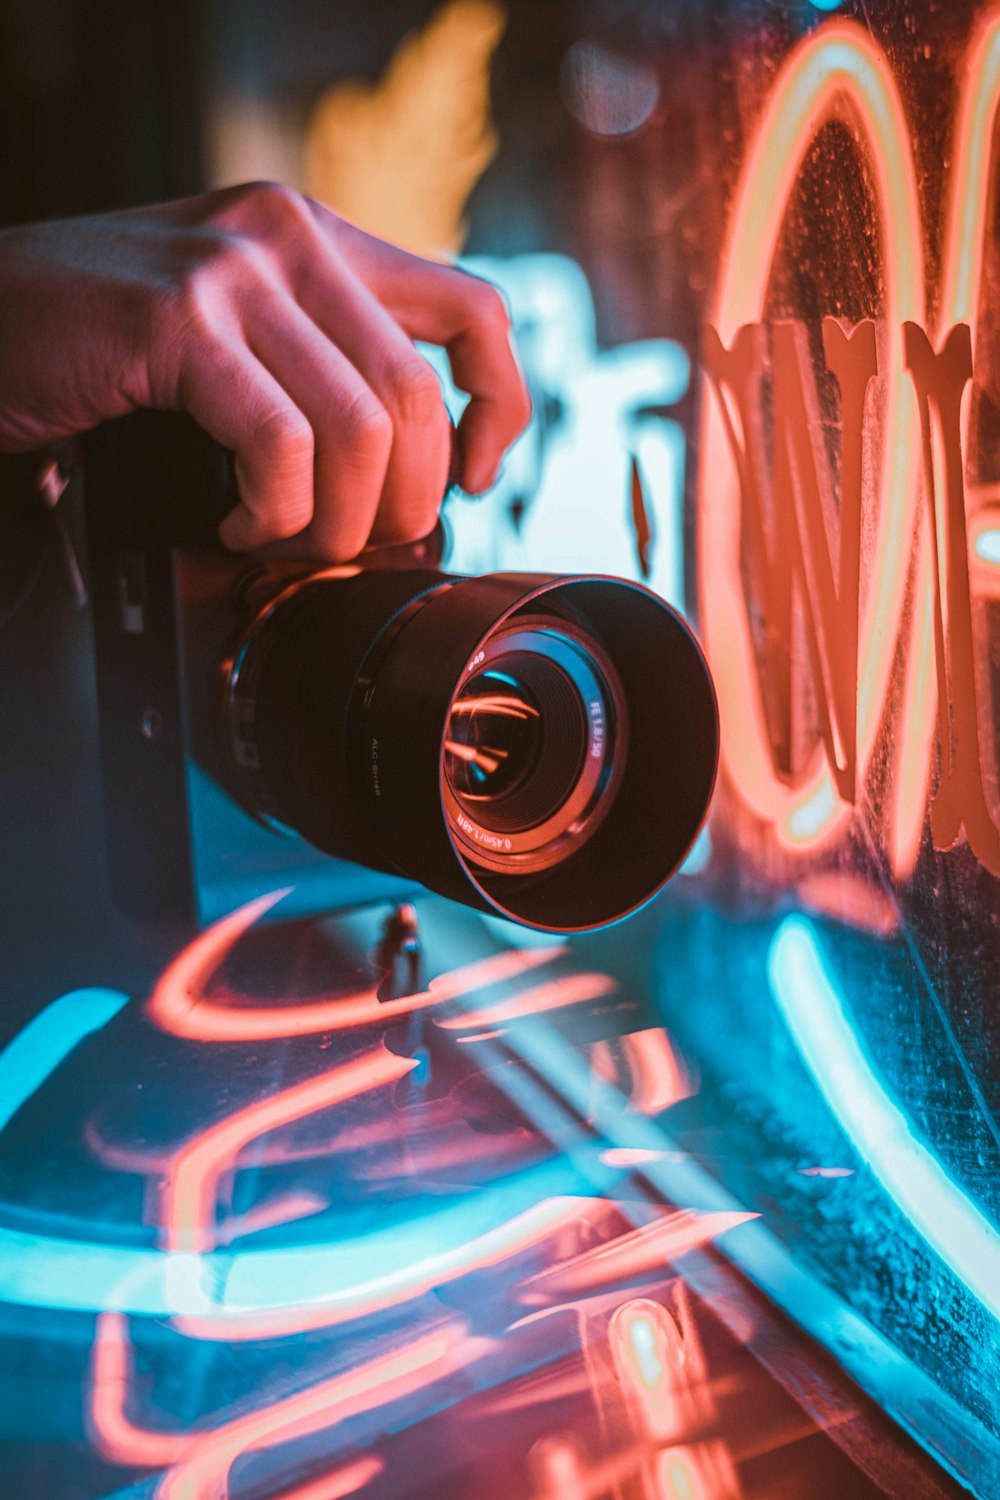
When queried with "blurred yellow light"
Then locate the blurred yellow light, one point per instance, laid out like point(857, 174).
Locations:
point(401, 157)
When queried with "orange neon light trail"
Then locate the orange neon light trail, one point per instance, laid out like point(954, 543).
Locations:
point(199, 1462)
point(196, 1169)
point(177, 1004)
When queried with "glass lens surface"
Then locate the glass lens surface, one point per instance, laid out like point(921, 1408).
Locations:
point(494, 737)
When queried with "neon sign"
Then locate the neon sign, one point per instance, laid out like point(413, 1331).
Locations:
point(910, 594)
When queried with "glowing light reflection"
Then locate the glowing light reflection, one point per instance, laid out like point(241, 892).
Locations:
point(196, 1169)
point(437, 1252)
point(200, 1461)
point(639, 1252)
point(659, 1078)
point(48, 1039)
point(570, 989)
point(267, 1292)
point(660, 1362)
point(815, 1013)
point(321, 1283)
point(178, 1003)
point(337, 1485)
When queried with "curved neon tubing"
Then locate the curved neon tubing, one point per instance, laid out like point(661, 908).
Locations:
point(969, 181)
point(837, 73)
point(179, 1006)
point(816, 1016)
point(325, 1282)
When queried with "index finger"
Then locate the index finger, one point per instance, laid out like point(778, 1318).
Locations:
point(440, 304)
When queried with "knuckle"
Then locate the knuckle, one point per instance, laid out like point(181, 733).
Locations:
point(367, 427)
point(228, 264)
point(263, 206)
point(235, 257)
point(286, 438)
point(276, 195)
point(208, 251)
point(209, 267)
point(417, 394)
point(282, 204)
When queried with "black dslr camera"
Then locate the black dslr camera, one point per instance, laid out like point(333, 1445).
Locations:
point(539, 747)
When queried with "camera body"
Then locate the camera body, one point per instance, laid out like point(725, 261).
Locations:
point(168, 604)
point(539, 746)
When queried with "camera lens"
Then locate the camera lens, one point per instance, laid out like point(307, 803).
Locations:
point(539, 747)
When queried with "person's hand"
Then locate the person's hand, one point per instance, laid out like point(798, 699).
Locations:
point(287, 334)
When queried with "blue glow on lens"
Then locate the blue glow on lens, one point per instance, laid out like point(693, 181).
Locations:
point(814, 1011)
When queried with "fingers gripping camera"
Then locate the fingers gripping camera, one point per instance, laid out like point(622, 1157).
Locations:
point(540, 747)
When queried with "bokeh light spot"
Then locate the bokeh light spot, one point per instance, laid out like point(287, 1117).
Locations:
point(608, 94)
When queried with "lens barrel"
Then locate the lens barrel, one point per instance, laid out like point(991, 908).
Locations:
point(539, 747)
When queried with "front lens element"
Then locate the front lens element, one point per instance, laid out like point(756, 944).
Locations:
point(494, 738)
point(530, 746)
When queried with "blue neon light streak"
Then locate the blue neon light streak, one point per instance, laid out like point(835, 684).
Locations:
point(41, 1271)
point(47, 1040)
point(813, 1010)
point(47, 1271)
